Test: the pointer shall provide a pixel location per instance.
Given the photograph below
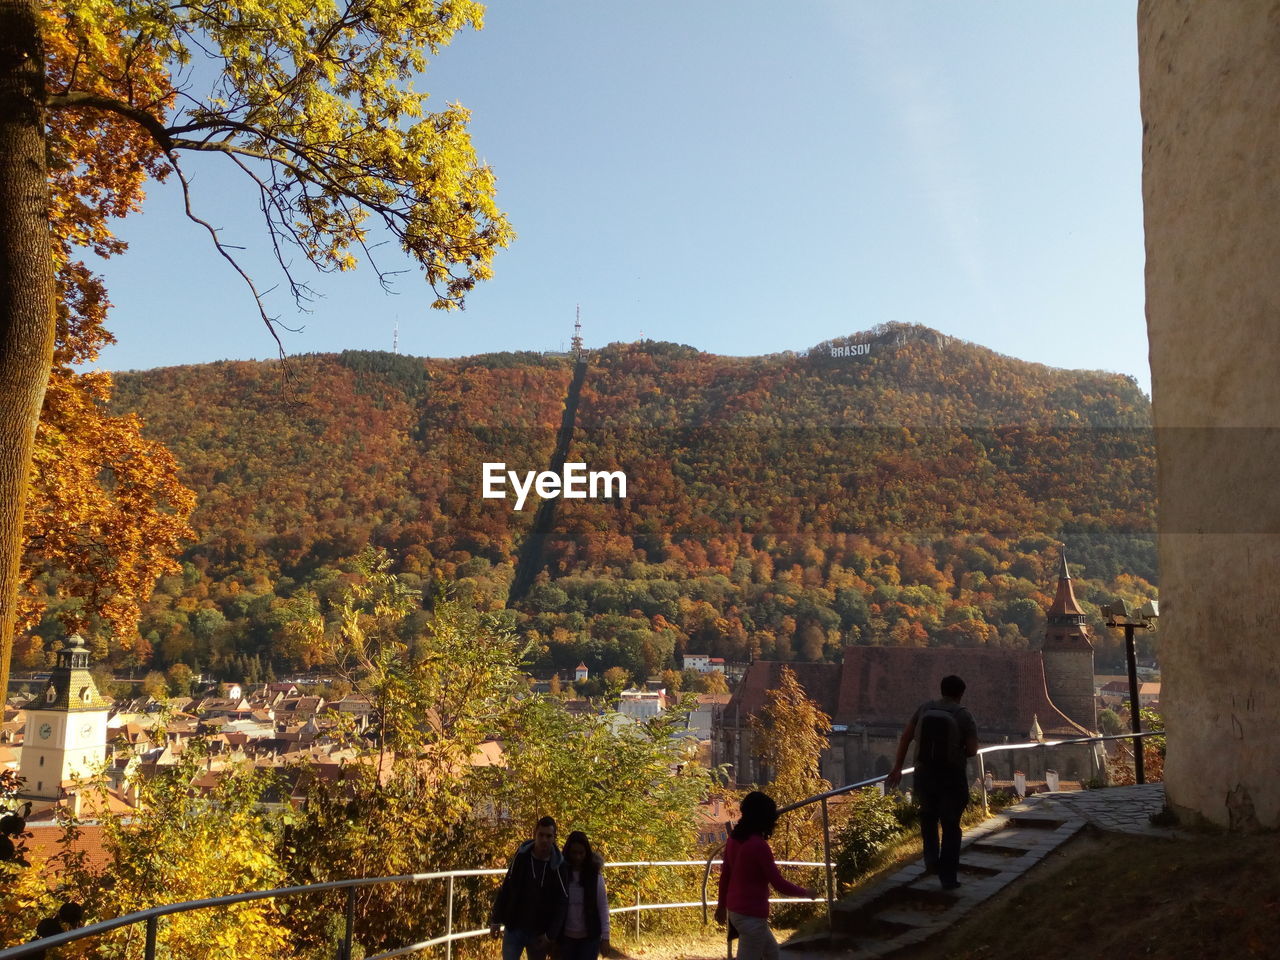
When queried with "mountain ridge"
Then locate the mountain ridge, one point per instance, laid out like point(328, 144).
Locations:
point(882, 333)
point(781, 505)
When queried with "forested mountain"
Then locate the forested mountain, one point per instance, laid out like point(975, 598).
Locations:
point(778, 506)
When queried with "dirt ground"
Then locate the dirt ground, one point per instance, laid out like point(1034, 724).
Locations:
point(1206, 896)
point(705, 943)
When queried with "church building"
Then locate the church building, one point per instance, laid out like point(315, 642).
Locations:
point(66, 731)
point(1015, 696)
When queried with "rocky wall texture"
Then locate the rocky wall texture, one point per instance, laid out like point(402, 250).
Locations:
point(1068, 678)
point(1210, 79)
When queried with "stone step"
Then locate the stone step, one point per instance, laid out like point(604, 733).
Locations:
point(907, 918)
point(1035, 821)
point(1026, 836)
point(886, 927)
point(1007, 851)
point(974, 860)
point(873, 927)
point(898, 906)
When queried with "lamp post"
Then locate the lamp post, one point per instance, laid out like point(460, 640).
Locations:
point(1120, 614)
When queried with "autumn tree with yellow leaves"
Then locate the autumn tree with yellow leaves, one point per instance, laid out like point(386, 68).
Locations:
point(183, 842)
point(311, 101)
point(789, 737)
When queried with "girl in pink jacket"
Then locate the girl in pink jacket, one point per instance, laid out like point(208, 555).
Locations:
point(746, 876)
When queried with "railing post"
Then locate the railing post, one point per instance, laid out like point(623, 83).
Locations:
point(344, 952)
point(982, 778)
point(826, 862)
point(1135, 704)
point(448, 929)
point(637, 903)
point(149, 952)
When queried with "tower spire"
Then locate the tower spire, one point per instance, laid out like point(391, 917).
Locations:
point(1066, 609)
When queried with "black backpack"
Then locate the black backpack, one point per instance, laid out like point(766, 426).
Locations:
point(940, 744)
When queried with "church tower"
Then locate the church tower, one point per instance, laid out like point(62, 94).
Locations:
point(1068, 654)
point(66, 732)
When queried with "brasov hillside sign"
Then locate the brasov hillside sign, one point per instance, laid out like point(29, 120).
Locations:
point(852, 350)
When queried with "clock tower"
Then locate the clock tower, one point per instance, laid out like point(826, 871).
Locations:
point(66, 733)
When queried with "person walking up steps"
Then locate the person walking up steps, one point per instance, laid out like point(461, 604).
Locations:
point(946, 736)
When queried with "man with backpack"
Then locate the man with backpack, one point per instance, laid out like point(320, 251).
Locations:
point(946, 737)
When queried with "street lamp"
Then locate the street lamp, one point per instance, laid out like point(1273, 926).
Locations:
point(1121, 614)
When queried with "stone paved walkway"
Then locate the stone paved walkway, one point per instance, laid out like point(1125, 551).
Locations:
point(1117, 809)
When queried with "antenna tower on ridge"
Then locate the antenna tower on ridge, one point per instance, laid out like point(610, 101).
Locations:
point(577, 334)
point(395, 338)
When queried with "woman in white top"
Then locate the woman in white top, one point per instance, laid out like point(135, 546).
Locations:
point(586, 923)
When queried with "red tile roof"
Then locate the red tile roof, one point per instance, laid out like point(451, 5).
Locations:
point(1005, 690)
point(882, 686)
point(45, 842)
point(821, 682)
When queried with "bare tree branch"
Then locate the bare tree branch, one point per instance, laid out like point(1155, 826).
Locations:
point(222, 249)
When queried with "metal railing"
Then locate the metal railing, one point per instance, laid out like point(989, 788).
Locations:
point(151, 917)
point(823, 798)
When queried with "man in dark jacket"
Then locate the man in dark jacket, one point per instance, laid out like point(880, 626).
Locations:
point(946, 737)
point(532, 899)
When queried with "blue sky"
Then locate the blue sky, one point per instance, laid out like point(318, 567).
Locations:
point(741, 176)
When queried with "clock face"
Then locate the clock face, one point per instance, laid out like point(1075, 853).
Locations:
point(45, 731)
point(86, 731)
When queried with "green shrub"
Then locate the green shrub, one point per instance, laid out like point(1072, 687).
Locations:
point(875, 824)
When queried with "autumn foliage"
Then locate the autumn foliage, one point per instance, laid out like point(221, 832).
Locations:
point(314, 103)
point(778, 507)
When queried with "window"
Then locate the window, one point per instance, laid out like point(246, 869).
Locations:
point(50, 694)
point(41, 760)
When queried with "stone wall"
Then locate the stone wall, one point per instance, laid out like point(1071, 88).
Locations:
point(1210, 83)
point(1068, 677)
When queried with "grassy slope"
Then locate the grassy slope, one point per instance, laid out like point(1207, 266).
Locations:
point(1201, 897)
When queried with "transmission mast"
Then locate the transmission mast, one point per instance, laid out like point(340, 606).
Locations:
point(577, 335)
point(395, 337)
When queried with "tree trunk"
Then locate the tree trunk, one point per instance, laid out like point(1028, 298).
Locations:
point(27, 296)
